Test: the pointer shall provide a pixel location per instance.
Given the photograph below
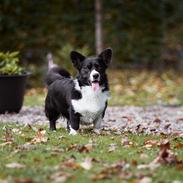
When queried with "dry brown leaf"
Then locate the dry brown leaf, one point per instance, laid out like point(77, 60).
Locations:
point(146, 180)
point(129, 118)
point(125, 175)
point(27, 180)
point(134, 181)
point(40, 137)
point(151, 166)
point(165, 156)
point(157, 120)
point(71, 164)
point(60, 177)
point(143, 156)
point(112, 147)
point(15, 165)
point(8, 137)
point(126, 143)
point(87, 163)
point(177, 181)
point(33, 128)
point(101, 176)
point(151, 143)
point(109, 171)
point(6, 143)
point(179, 145)
point(81, 148)
point(86, 148)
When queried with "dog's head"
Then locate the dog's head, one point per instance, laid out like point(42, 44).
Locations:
point(91, 70)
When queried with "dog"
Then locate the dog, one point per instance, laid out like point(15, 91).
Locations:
point(82, 100)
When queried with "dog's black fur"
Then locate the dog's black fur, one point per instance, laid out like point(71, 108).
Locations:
point(61, 86)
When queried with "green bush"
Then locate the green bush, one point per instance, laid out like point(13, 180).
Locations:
point(9, 63)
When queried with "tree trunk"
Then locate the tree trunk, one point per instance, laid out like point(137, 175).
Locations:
point(98, 26)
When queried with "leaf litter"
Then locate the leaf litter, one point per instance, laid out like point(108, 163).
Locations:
point(165, 156)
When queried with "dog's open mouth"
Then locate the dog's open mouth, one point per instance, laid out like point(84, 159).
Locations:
point(95, 85)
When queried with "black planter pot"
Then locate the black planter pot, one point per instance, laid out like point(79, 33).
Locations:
point(12, 90)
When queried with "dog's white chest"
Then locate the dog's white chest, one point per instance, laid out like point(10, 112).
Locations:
point(91, 105)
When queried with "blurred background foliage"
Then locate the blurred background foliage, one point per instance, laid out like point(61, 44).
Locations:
point(143, 34)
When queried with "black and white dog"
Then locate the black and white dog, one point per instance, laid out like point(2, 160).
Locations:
point(82, 100)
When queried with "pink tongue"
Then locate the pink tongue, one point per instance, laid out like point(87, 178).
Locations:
point(95, 86)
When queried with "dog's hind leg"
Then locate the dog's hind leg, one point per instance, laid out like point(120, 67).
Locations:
point(73, 122)
point(52, 116)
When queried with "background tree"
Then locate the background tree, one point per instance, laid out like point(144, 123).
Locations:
point(141, 33)
point(98, 27)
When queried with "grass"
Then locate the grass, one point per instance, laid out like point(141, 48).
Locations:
point(41, 159)
point(134, 87)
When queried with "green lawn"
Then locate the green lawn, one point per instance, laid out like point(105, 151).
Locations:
point(41, 160)
point(58, 157)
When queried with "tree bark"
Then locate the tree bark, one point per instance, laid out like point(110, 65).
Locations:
point(98, 26)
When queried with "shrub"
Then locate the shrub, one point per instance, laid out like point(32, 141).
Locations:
point(9, 63)
point(62, 56)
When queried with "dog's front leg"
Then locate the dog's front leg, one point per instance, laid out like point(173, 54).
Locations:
point(97, 124)
point(74, 122)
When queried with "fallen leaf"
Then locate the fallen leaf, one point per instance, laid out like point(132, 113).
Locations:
point(177, 181)
point(71, 163)
point(143, 156)
point(87, 163)
point(165, 156)
point(125, 142)
point(8, 137)
point(33, 128)
point(157, 120)
point(108, 172)
point(85, 148)
point(81, 148)
point(6, 143)
point(27, 180)
point(60, 177)
point(146, 180)
point(151, 166)
point(129, 118)
point(112, 147)
point(151, 143)
point(101, 176)
point(15, 165)
point(134, 163)
point(40, 137)
point(167, 126)
point(179, 145)
point(124, 175)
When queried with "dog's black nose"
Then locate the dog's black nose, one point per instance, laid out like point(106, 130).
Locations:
point(96, 76)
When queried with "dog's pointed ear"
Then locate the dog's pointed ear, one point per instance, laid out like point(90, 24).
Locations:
point(77, 59)
point(106, 56)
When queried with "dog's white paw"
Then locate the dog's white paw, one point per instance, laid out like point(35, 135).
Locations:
point(72, 132)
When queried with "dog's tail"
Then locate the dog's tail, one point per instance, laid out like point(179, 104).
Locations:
point(50, 61)
point(54, 71)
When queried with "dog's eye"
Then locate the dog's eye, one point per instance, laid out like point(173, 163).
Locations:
point(96, 66)
point(89, 66)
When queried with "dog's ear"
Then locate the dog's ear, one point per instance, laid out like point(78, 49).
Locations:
point(77, 59)
point(106, 56)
